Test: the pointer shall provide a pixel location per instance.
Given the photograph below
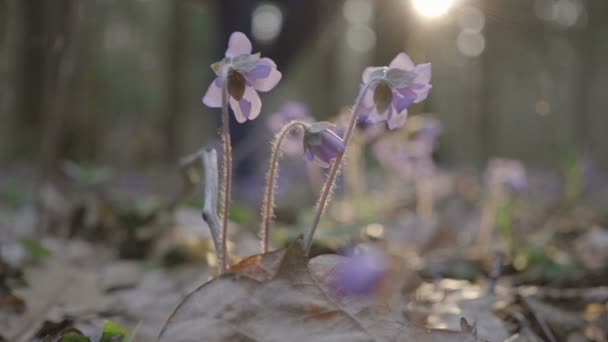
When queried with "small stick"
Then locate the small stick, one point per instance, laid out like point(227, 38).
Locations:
point(209, 214)
point(495, 273)
point(545, 328)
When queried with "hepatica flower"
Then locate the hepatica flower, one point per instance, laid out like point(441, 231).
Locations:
point(507, 172)
point(362, 272)
point(392, 89)
point(321, 144)
point(246, 74)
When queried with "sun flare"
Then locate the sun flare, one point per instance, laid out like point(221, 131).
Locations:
point(432, 8)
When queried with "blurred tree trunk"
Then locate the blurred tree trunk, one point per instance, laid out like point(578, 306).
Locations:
point(175, 107)
point(30, 97)
point(59, 60)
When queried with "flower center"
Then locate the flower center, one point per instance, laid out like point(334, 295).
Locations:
point(383, 96)
point(236, 84)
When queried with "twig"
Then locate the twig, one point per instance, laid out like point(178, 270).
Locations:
point(495, 273)
point(539, 319)
point(210, 193)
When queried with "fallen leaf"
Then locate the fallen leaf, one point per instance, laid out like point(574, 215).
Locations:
point(284, 296)
point(56, 289)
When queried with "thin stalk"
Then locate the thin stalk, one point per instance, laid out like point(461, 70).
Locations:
point(424, 194)
point(273, 171)
point(333, 171)
point(227, 172)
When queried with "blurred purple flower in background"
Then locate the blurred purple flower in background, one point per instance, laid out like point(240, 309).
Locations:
point(246, 74)
point(507, 172)
point(362, 272)
point(367, 128)
point(290, 111)
point(393, 89)
point(321, 144)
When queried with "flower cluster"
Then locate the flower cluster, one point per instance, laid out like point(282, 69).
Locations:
point(386, 94)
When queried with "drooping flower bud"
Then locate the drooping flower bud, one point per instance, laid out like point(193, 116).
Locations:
point(321, 144)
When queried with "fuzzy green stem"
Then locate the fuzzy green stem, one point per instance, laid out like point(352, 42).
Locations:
point(333, 171)
point(271, 177)
point(227, 173)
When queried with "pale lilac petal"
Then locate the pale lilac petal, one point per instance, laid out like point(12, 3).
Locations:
point(264, 76)
point(367, 73)
point(423, 73)
point(213, 96)
point(401, 103)
point(256, 103)
point(237, 109)
point(248, 108)
point(409, 92)
point(422, 93)
point(403, 62)
point(398, 120)
point(368, 97)
point(238, 45)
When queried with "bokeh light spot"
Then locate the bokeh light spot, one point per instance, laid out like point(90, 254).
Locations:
point(543, 107)
point(266, 22)
point(470, 43)
point(360, 38)
point(357, 11)
point(471, 18)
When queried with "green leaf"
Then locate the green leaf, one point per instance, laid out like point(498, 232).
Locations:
point(35, 249)
point(74, 337)
point(113, 332)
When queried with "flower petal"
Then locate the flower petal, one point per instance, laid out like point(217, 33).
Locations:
point(403, 62)
point(366, 76)
point(401, 103)
point(248, 108)
point(237, 109)
point(238, 45)
point(213, 96)
point(422, 93)
point(398, 120)
point(256, 103)
point(423, 73)
point(264, 76)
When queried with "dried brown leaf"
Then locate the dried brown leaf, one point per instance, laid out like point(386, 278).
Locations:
point(284, 296)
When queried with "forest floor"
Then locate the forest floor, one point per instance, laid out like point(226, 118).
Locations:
point(84, 252)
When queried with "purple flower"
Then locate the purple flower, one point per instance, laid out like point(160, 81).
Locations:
point(393, 89)
point(362, 272)
point(321, 144)
point(290, 111)
point(368, 129)
point(507, 172)
point(246, 74)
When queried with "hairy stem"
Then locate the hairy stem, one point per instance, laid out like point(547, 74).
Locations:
point(333, 171)
point(271, 177)
point(226, 185)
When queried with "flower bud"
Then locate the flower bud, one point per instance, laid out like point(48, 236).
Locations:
point(321, 144)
